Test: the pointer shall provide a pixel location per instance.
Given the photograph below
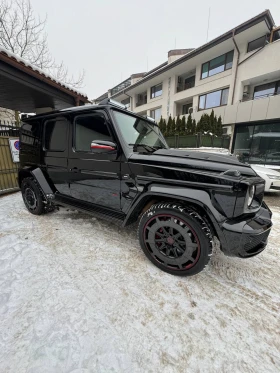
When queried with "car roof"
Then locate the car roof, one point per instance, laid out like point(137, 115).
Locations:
point(67, 110)
point(82, 109)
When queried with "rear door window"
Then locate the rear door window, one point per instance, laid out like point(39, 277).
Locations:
point(55, 135)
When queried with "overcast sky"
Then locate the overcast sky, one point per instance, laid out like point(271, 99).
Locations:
point(112, 39)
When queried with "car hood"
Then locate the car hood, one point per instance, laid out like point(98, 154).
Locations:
point(196, 160)
point(265, 170)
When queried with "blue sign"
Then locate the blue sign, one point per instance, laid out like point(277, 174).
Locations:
point(16, 145)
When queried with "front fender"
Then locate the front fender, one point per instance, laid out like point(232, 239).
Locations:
point(200, 198)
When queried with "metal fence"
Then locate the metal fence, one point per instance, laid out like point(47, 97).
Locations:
point(8, 169)
point(196, 141)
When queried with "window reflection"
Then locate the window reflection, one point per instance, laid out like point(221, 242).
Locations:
point(266, 90)
point(156, 91)
point(217, 65)
point(213, 99)
point(258, 144)
point(156, 114)
point(257, 43)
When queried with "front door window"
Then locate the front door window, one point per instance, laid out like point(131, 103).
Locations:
point(89, 128)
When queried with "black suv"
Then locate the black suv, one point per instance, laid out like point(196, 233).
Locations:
point(105, 160)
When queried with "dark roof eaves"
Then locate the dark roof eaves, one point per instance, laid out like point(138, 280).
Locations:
point(24, 66)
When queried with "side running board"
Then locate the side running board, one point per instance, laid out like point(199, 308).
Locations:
point(90, 208)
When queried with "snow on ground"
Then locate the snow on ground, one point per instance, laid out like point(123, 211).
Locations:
point(77, 295)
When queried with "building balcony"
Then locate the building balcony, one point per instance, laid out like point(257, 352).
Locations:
point(185, 83)
point(251, 97)
point(140, 103)
point(258, 109)
point(121, 86)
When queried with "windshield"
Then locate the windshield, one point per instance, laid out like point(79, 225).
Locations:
point(139, 131)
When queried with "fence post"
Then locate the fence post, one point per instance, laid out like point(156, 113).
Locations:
point(223, 140)
point(198, 140)
point(176, 141)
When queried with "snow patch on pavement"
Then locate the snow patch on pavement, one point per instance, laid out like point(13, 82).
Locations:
point(78, 295)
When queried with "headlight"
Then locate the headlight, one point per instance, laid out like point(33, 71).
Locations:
point(274, 177)
point(251, 194)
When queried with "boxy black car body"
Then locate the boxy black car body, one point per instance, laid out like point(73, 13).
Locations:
point(100, 172)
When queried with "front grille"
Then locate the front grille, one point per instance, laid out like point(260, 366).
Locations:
point(254, 240)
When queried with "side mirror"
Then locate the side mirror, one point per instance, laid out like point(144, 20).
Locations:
point(102, 146)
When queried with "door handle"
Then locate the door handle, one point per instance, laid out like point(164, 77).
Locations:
point(75, 169)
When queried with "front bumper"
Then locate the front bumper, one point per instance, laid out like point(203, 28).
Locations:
point(245, 238)
point(275, 185)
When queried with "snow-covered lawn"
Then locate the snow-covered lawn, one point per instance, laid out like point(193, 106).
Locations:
point(78, 295)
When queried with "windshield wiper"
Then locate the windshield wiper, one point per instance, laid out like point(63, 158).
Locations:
point(144, 146)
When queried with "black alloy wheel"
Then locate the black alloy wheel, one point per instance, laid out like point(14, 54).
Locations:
point(32, 196)
point(172, 241)
point(175, 239)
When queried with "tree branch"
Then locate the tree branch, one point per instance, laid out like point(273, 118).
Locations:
point(24, 34)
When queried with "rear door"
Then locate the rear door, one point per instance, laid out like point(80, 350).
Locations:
point(55, 148)
point(94, 178)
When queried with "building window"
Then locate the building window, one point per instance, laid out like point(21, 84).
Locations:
point(156, 91)
point(185, 108)
point(141, 99)
point(214, 99)
point(217, 65)
point(258, 144)
point(126, 102)
point(266, 90)
point(156, 114)
point(257, 43)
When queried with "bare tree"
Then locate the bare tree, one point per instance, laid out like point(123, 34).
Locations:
point(23, 33)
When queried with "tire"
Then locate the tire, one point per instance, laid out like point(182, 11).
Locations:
point(32, 196)
point(175, 238)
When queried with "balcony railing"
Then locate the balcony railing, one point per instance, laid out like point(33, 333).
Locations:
point(121, 86)
point(249, 98)
point(183, 87)
point(140, 103)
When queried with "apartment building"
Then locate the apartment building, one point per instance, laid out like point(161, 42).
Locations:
point(237, 75)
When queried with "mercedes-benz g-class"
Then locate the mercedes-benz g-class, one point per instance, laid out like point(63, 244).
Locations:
point(107, 161)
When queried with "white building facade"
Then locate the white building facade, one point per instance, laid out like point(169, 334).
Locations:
point(237, 75)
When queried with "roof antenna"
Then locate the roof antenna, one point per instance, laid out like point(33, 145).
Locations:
point(208, 25)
